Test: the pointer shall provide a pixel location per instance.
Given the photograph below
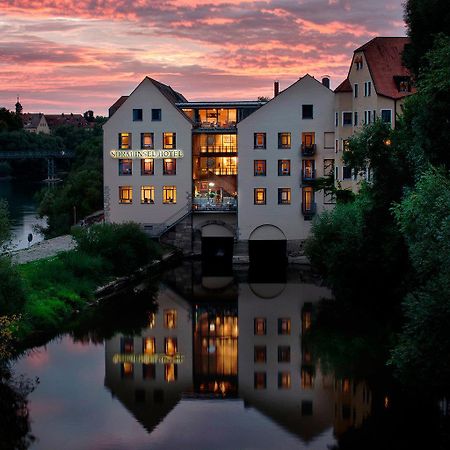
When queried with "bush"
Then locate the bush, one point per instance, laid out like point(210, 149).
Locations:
point(12, 296)
point(125, 246)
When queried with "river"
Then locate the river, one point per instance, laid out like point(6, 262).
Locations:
point(212, 362)
point(22, 206)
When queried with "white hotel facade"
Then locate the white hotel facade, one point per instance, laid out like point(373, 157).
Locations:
point(236, 176)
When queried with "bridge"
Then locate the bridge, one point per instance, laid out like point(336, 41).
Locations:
point(49, 155)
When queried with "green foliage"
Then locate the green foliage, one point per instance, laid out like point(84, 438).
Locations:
point(424, 219)
point(9, 121)
point(5, 232)
point(125, 246)
point(22, 140)
point(12, 296)
point(424, 19)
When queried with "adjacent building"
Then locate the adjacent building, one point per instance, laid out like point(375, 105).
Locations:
point(224, 177)
point(35, 123)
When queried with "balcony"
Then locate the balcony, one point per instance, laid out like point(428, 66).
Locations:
point(308, 175)
point(308, 210)
point(201, 204)
point(212, 126)
point(308, 149)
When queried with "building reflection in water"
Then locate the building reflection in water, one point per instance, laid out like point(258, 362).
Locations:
point(223, 337)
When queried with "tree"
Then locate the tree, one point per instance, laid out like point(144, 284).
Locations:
point(9, 121)
point(424, 19)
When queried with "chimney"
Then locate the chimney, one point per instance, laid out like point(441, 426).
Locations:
point(276, 88)
point(326, 81)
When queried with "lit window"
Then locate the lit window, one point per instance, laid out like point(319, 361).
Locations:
point(149, 345)
point(307, 111)
point(147, 166)
point(308, 199)
point(284, 353)
point(306, 319)
point(260, 196)
point(308, 169)
point(284, 380)
point(125, 194)
point(284, 167)
point(169, 141)
point(170, 372)
point(259, 140)
point(127, 370)
point(137, 115)
point(260, 326)
point(125, 167)
point(124, 141)
point(346, 118)
point(170, 318)
point(260, 380)
point(169, 194)
point(284, 140)
point(260, 353)
point(126, 345)
point(346, 145)
point(307, 377)
point(284, 326)
point(169, 166)
point(170, 346)
point(147, 194)
point(284, 196)
point(259, 168)
point(156, 115)
point(147, 140)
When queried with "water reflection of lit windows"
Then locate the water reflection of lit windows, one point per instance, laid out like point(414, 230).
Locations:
point(306, 317)
point(170, 318)
point(260, 353)
point(284, 353)
point(346, 385)
point(307, 408)
point(260, 326)
point(307, 377)
point(170, 346)
point(260, 380)
point(284, 326)
point(152, 320)
point(126, 344)
point(149, 345)
point(284, 380)
point(170, 372)
point(127, 370)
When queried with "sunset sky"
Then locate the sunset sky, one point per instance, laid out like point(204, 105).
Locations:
point(67, 56)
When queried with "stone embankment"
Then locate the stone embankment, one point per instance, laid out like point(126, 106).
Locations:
point(44, 249)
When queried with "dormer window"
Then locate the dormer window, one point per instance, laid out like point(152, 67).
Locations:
point(359, 62)
point(403, 83)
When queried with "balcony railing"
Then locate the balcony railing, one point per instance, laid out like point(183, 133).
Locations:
point(218, 149)
point(202, 204)
point(308, 150)
point(308, 210)
point(308, 175)
point(215, 125)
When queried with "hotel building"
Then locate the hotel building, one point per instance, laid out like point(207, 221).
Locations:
point(236, 177)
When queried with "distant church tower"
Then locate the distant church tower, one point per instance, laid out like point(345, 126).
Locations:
point(18, 107)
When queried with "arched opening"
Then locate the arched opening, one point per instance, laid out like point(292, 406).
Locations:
point(267, 248)
point(217, 248)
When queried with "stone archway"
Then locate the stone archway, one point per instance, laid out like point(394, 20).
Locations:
point(267, 244)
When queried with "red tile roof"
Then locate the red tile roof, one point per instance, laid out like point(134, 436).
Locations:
point(73, 120)
point(345, 86)
point(31, 120)
point(384, 60)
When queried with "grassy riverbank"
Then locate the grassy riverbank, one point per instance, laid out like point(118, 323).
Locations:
point(57, 289)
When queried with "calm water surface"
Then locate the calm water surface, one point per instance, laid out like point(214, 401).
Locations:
point(222, 363)
point(22, 207)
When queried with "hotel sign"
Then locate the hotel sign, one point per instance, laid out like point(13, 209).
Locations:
point(156, 358)
point(141, 154)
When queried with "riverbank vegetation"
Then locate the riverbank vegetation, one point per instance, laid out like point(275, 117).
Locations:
point(47, 294)
point(387, 251)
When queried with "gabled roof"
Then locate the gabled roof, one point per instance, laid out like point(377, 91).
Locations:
point(384, 60)
point(345, 86)
point(116, 105)
point(31, 120)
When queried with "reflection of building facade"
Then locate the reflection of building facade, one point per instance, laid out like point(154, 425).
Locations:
point(148, 373)
point(276, 373)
